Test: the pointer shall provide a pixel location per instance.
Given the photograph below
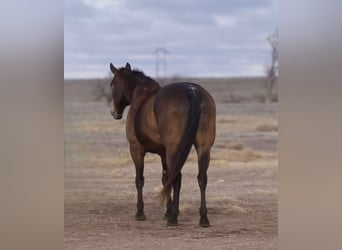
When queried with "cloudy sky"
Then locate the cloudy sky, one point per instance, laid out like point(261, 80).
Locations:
point(204, 37)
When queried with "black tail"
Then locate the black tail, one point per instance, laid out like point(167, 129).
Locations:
point(186, 141)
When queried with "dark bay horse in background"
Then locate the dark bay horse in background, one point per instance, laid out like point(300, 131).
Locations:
point(166, 121)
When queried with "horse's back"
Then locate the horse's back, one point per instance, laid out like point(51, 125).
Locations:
point(175, 94)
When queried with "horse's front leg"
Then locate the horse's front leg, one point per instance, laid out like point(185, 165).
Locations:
point(138, 154)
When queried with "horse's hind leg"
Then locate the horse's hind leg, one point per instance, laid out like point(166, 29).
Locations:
point(172, 220)
point(203, 154)
point(169, 201)
point(137, 154)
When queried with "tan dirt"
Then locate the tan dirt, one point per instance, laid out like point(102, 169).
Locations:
point(100, 195)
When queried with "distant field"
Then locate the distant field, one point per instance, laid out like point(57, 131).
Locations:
point(221, 88)
point(100, 194)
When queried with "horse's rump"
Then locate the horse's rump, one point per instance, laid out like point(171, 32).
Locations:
point(177, 109)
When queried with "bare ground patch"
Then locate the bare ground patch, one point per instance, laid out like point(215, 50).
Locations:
point(100, 194)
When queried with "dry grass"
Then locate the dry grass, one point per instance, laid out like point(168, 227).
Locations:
point(152, 158)
point(239, 209)
point(220, 144)
point(123, 158)
point(78, 154)
point(267, 128)
point(260, 98)
point(244, 155)
point(95, 124)
point(233, 98)
point(260, 164)
point(116, 151)
point(236, 146)
point(241, 123)
point(225, 120)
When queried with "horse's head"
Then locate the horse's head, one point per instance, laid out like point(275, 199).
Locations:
point(120, 100)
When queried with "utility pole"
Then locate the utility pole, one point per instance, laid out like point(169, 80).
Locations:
point(161, 53)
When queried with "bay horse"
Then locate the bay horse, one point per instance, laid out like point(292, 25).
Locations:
point(166, 121)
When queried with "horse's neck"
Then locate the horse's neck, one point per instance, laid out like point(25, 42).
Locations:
point(142, 92)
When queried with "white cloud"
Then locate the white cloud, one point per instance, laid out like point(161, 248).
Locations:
point(258, 13)
point(255, 70)
point(226, 20)
point(87, 71)
point(262, 12)
point(202, 39)
point(103, 4)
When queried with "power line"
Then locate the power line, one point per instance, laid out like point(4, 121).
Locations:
point(161, 60)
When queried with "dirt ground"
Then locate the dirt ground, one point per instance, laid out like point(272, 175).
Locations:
point(100, 195)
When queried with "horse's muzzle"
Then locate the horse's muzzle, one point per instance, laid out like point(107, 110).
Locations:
point(116, 116)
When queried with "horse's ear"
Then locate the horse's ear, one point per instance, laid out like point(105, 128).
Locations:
point(113, 69)
point(128, 66)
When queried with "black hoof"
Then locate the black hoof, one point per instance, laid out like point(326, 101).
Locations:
point(172, 221)
point(140, 216)
point(204, 222)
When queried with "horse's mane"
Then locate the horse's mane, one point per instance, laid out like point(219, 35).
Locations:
point(140, 75)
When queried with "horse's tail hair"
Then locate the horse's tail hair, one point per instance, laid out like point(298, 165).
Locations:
point(186, 141)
